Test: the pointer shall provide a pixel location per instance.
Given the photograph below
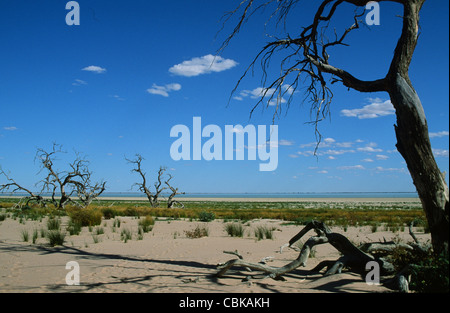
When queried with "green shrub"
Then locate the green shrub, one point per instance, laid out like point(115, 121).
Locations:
point(206, 216)
point(109, 213)
point(234, 229)
point(85, 217)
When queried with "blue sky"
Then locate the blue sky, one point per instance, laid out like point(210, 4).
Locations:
point(116, 84)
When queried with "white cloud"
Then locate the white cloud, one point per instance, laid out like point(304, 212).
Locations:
point(261, 92)
point(163, 90)
point(382, 169)
point(203, 65)
point(10, 128)
point(376, 108)
point(94, 69)
point(382, 157)
point(440, 153)
point(367, 160)
point(439, 134)
point(369, 149)
point(322, 172)
point(284, 142)
point(351, 167)
point(337, 152)
point(79, 82)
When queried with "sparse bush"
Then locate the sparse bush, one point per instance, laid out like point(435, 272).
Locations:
point(198, 232)
point(234, 229)
point(126, 235)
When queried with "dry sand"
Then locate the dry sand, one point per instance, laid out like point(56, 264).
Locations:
point(166, 261)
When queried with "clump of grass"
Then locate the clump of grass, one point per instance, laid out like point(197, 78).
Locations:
point(74, 228)
point(198, 232)
point(147, 224)
point(53, 223)
point(234, 229)
point(55, 237)
point(35, 235)
point(262, 231)
point(99, 231)
point(2, 217)
point(25, 235)
point(126, 235)
point(140, 235)
point(95, 238)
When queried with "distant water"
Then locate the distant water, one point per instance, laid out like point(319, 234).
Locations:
point(263, 195)
point(284, 195)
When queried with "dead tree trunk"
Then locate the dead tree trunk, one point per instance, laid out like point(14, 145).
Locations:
point(171, 202)
point(352, 257)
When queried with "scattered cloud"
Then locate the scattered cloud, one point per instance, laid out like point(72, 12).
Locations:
point(203, 65)
point(284, 142)
point(369, 149)
point(382, 169)
point(10, 128)
point(376, 108)
point(117, 97)
point(382, 157)
point(79, 82)
point(163, 90)
point(322, 172)
point(440, 153)
point(94, 69)
point(439, 134)
point(367, 160)
point(261, 92)
point(351, 167)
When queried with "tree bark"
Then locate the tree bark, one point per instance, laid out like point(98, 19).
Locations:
point(413, 141)
point(414, 145)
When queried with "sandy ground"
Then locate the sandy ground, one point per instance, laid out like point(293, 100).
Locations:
point(166, 261)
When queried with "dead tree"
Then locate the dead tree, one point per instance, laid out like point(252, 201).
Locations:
point(153, 198)
point(171, 202)
point(12, 186)
point(67, 183)
point(353, 258)
point(305, 59)
point(88, 191)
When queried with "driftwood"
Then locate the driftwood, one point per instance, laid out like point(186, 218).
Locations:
point(353, 258)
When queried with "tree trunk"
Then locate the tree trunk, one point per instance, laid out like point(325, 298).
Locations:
point(413, 143)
